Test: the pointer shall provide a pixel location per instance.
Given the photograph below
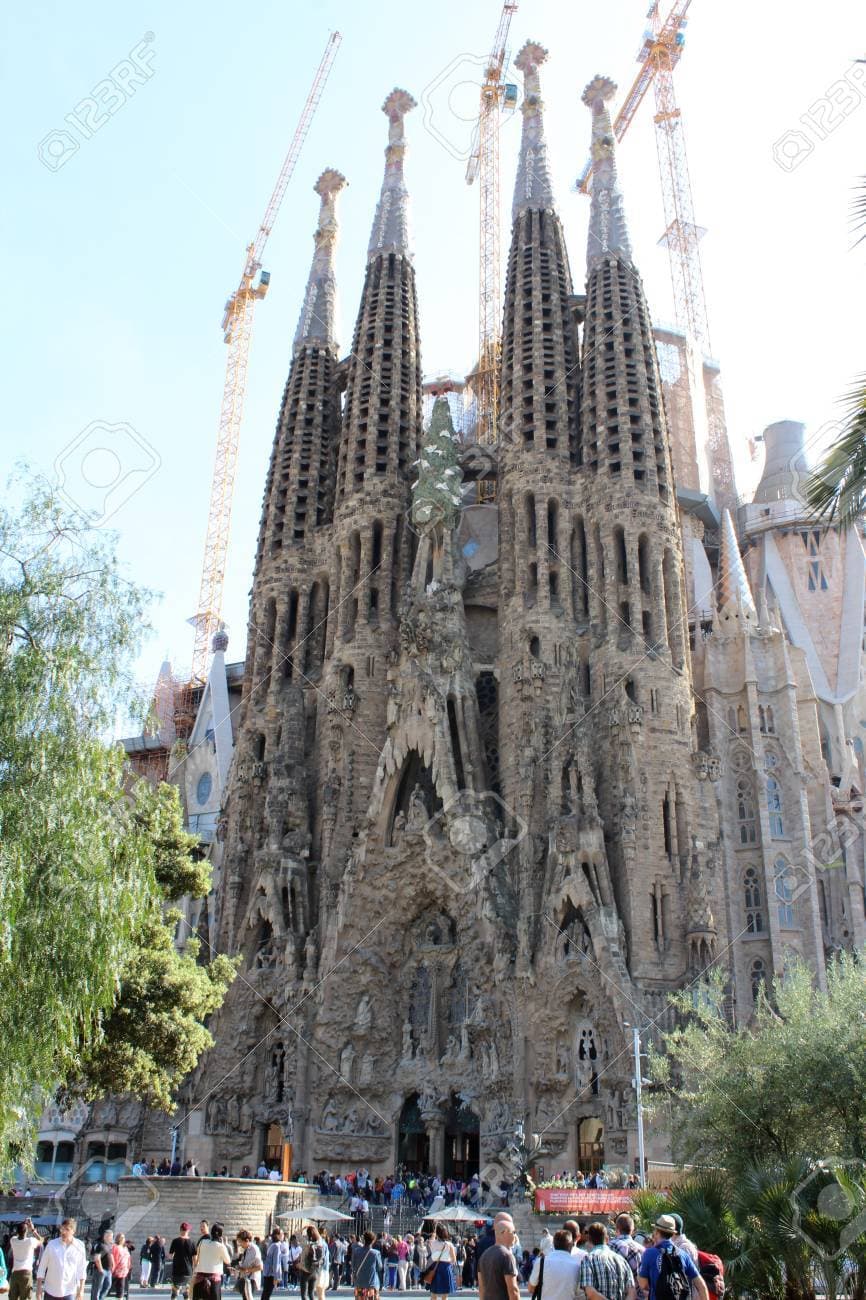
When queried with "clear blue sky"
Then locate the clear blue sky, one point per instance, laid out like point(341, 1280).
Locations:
point(119, 261)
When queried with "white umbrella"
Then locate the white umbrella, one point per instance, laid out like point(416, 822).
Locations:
point(315, 1212)
point(456, 1214)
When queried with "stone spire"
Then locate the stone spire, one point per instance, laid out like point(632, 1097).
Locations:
point(390, 232)
point(734, 593)
point(532, 186)
point(317, 320)
point(608, 234)
point(382, 409)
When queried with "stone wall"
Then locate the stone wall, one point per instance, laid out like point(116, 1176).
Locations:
point(159, 1205)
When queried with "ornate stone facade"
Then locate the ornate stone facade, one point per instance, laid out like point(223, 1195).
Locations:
point(480, 816)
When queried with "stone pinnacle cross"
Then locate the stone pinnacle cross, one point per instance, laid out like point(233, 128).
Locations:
point(608, 234)
point(318, 313)
point(391, 223)
point(532, 186)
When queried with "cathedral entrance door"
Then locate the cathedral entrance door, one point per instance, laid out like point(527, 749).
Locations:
point(461, 1141)
point(413, 1144)
point(274, 1146)
point(590, 1144)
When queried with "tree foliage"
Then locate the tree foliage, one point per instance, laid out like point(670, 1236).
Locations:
point(788, 1085)
point(154, 1033)
point(785, 1230)
point(85, 867)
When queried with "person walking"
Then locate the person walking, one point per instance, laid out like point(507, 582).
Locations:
point(624, 1243)
point(338, 1260)
point(311, 1262)
point(443, 1257)
point(556, 1273)
point(294, 1255)
point(181, 1252)
point(144, 1261)
point(604, 1274)
point(23, 1249)
point(367, 1268)
point(121, 1267)
point(665, 1270)
point(157, 1261)
point(272, 1271)
point(102, 1259)
point(249, 1266)
point(212, 1258)
point(63, 1266)
point(497, 1271)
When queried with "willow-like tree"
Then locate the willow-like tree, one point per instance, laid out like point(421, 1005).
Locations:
point(88, 861)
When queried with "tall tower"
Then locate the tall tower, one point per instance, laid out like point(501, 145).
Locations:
point(661, 823)
point(288, 612)
point(370, 545)
point(538, 607)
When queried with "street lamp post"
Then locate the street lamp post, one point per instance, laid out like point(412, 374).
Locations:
point(638, 1082)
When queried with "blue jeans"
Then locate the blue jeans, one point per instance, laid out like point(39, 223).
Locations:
point(100, 1286)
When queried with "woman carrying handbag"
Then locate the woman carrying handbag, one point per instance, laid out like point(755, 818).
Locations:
point(439, 1277)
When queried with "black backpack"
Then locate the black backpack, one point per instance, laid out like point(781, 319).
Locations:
point(672, 1282)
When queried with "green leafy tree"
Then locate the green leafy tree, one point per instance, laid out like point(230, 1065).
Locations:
point(154, 1034)
point(85, 867)
point(787, 1085)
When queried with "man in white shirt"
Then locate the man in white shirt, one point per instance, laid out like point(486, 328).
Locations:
point(275, 1176)
point(545, 1242)
point(561, 1269)
point(23, 1247)
point(63, 1266)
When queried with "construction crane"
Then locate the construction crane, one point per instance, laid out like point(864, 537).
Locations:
point(659, 54)
point(484, 165)
point(237, 327)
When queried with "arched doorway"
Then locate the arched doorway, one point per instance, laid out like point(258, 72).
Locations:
point(590, 1144)
point(413, 1144)
point(461, 1141)
point(274, 1146)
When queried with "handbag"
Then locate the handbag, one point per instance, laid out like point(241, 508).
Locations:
point(428, 1275)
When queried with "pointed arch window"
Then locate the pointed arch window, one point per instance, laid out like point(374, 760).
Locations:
point(783, 884)
point(774, 808)
point(746, 819)
point(758, 977)
point(754, 901)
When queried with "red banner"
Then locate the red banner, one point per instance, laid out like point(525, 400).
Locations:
point(574, 1200)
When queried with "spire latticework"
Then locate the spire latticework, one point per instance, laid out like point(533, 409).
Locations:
point(382, 410)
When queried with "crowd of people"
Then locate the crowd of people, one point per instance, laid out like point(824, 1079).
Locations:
point(569, 1264)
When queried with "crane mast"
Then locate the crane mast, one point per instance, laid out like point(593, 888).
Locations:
point(659, 54)
point(237, 326)
point(484, 164)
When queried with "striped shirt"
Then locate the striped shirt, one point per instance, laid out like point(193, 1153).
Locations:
point(606, 1272)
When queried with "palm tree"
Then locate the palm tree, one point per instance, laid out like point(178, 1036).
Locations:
point(837, 489)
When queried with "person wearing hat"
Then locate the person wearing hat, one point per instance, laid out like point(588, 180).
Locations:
point(665, 1270)
point(181, 1252)
point(681, 1241)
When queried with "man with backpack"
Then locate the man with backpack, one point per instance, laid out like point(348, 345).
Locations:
point(624, 1243)
point(666, 1273)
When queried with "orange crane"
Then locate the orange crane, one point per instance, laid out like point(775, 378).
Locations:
point(484, 164)
point(237, 327)
point(659, 54)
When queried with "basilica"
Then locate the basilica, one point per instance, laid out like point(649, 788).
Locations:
point(530, 733)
